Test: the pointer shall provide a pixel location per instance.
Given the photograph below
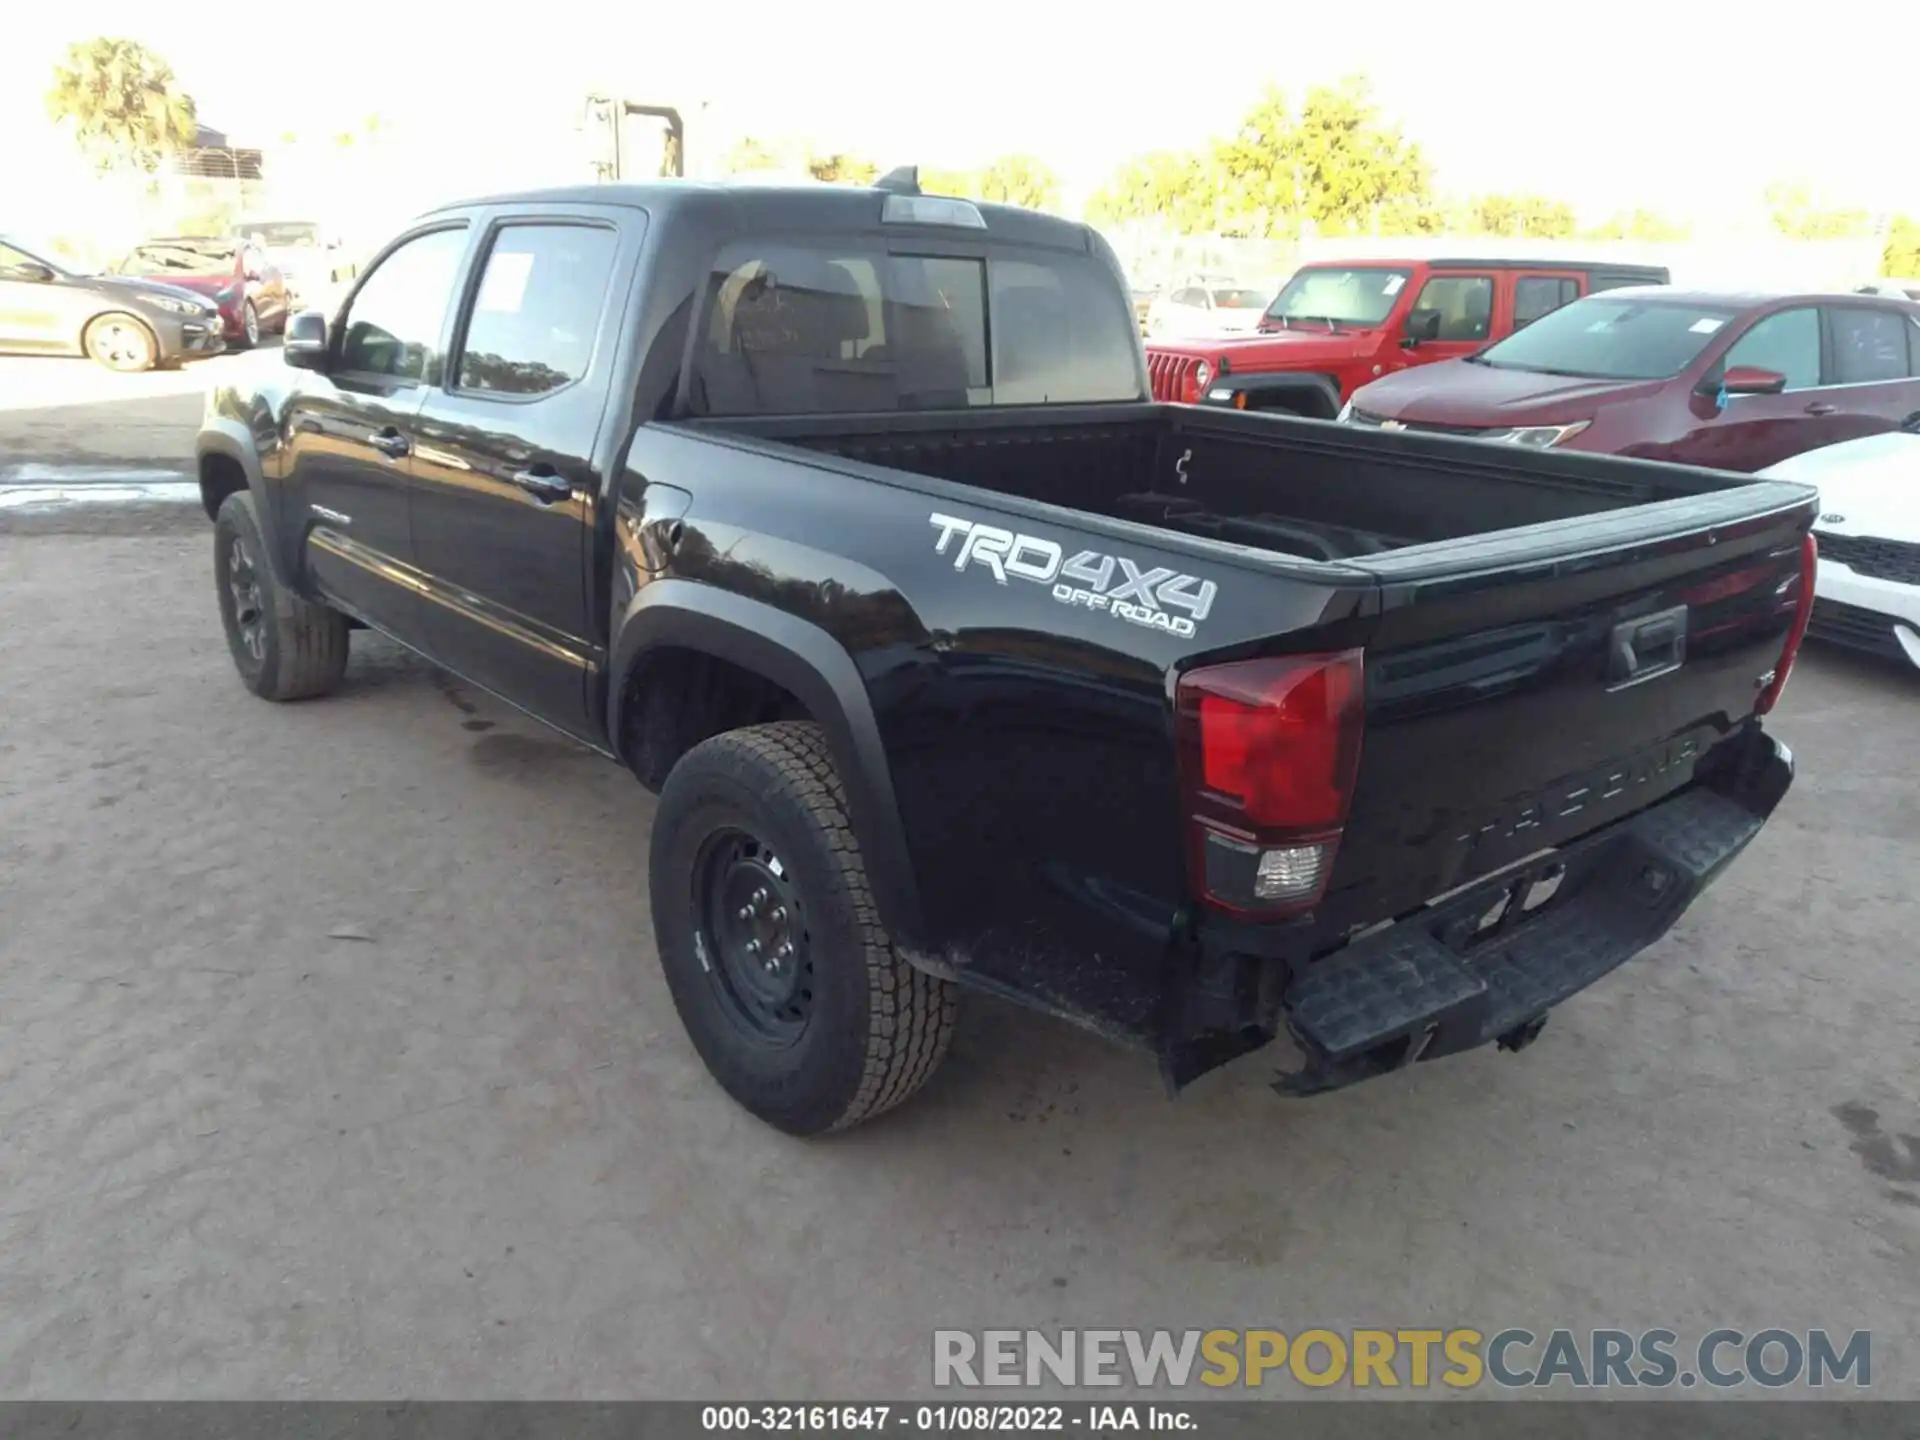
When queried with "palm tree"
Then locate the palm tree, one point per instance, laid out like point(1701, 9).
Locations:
point(126, 106)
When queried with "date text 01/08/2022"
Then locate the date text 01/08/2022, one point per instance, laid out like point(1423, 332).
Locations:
point(944, 1418)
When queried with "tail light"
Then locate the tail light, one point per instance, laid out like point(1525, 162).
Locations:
point(1268, 752)
point(1802, 613)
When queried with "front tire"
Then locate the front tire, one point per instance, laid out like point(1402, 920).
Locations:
point(120, 342)
point(249, 327)
point(772, 945)
point(285, 647)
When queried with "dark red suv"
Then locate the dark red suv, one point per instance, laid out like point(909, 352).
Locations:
point(1735, 382)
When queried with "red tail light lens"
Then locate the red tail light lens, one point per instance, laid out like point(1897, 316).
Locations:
point(1268, 754)
point(1797, 632)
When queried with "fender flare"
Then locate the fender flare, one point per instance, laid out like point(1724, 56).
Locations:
point(231, 440)
point(814, 667)
point(1287, 382)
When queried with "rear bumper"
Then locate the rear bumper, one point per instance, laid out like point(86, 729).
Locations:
point(1440, 982)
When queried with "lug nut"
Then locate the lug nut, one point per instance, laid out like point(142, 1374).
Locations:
point(753, 947)
point(785, 950)
point(759, 898)
point(746, 912)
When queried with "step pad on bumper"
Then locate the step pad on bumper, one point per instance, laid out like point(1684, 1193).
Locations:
point(1438, 983)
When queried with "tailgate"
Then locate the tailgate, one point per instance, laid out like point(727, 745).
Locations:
point(1526, 687)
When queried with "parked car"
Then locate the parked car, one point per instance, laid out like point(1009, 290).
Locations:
point(1868, 591)
point(842, 517)
point(310, 258)
point(235, 274)
point(1197, 311)
point(1736, 382)
point(1892, 289)
point(1336, 326)
point(51, 308)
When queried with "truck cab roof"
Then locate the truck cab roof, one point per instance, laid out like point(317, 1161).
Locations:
point(796, 206)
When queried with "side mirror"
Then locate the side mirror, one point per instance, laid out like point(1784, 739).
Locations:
point(1422, 325)
point(29, 270)
point(305, 345)
point(1752, 380)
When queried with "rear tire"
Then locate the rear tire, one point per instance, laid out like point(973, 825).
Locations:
point(285, 647)
point(788, 986)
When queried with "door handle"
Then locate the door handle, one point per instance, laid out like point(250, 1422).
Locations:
point(390, 443)
point(1820, 407)
point(541, 483)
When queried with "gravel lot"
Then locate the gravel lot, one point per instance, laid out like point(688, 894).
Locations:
point(335, 1061)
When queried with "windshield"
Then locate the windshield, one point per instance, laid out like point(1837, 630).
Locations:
point(15, 248)
point(1348, 296)
point(181, 257)
point(1237, 299)
point(1604, 338)
point(283, 234)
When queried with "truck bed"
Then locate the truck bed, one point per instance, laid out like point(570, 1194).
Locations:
point(1296, 487)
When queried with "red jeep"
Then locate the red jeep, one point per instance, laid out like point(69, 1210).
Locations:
point(1336, 326)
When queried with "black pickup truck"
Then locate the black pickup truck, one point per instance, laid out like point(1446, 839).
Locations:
point(842, 517)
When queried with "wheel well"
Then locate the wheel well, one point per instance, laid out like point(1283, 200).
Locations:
point(674, 698)
point(220, 476)
point(1309, 401)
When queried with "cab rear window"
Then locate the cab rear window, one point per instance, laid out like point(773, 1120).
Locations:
point(791, 329)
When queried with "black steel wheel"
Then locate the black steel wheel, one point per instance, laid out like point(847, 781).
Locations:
point(753, 938)
point(789, 986)
point(247, 607)
point(285, 646)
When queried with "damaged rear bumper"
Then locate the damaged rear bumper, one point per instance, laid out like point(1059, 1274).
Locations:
point(1481, 965)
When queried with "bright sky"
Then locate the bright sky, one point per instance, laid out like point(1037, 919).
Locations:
point(1683, 106)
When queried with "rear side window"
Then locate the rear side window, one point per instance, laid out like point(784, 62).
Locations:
point(1788, 342)
point(1465, 303)
point(393, 323)
point(542, 293)
point(1868, 345)
point(1537, 295)
point(794, 330)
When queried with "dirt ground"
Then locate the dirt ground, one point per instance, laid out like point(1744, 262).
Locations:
point(335, 1061)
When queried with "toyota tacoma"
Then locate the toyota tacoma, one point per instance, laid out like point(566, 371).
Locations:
point(844, 519)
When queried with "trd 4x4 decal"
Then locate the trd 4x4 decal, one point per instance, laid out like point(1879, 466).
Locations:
point(1111, 583)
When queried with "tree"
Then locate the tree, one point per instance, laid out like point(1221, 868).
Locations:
point(750, 155)
point(1531, 216)
point(1412, 217)
point(1797, 214)
point(1639, 225)
point(962, 183)
point(1020, 180)
point(844, 169)
point(1176, 187)
point(1901, 258)
point(126, 107)
point(1336, 163)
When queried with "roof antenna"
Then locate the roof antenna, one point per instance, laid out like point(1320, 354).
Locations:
point(905, 179)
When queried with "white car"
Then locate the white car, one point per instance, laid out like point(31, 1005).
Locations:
point(1200, 312)
point(1867, 595)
